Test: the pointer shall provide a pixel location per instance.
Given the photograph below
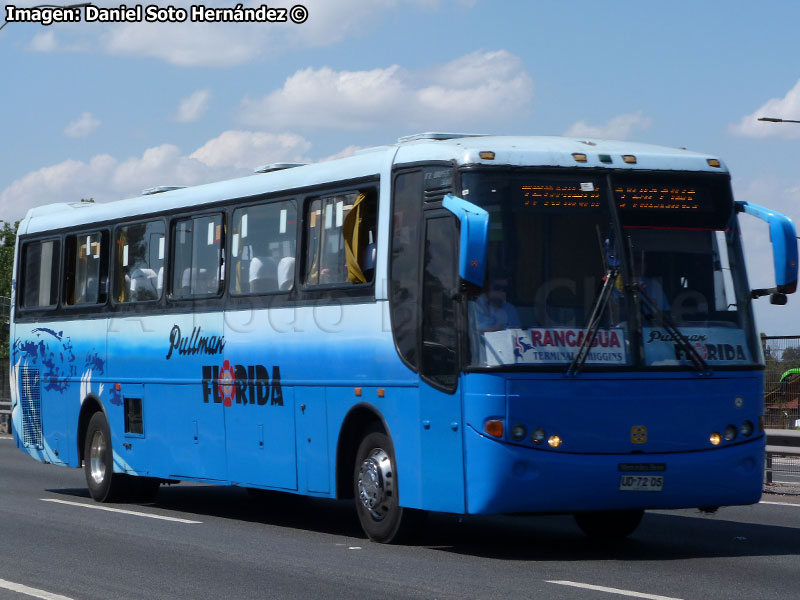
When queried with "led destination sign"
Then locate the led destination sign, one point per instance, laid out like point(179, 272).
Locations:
point(673, 202)
point(666, 198)
point(560, 195)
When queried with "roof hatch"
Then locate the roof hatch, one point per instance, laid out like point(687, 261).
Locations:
point(436, 135)
point(277, 167)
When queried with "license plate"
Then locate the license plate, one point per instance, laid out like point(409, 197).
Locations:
point(641, 483)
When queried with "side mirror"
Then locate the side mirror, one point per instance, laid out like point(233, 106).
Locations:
point(474, 240)
point(783, 236)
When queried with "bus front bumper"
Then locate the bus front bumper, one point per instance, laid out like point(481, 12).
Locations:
point(505, 478)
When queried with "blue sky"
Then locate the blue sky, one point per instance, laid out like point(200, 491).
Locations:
point(105, 110)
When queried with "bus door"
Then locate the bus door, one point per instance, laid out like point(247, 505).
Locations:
point(440, 400)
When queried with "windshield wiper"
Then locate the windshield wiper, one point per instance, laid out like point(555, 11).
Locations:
point(675, 334)
point(592, 328)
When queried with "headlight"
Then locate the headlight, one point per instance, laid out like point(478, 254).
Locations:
point(715, 438)
point(518, 433)
point(538, 436)
point(730, 433)
point(746, 428)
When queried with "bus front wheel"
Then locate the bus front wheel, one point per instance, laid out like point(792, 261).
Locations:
point(609, 524)
point(375, 490)
point(98, 462)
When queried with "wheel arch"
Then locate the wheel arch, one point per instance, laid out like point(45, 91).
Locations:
point(90, 405)
point(359, 420)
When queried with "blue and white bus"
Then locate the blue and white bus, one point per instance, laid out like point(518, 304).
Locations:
point(454, 323)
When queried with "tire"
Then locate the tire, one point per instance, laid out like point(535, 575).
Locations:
point(98, 463)
point(375, 492)
point(609, 525)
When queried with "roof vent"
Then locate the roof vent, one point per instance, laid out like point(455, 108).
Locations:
point(277, 167)
point(436, 135)
point(161, 188)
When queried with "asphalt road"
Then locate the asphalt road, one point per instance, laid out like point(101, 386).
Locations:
point(214, 542)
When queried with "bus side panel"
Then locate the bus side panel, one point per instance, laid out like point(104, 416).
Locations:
point(52, 375)
point(442, 464)
point(259, 407)
point(313, 458)
point(186, 437)
point(173, 357)
point(398, 410)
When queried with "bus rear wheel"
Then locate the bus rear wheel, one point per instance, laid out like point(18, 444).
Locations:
point(375, 491)
point(609, 524)
point(98, 463)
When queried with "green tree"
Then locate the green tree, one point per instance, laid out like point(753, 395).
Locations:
point(8, 240)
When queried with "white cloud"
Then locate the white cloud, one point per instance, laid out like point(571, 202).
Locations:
point(82, 126)
point(187, 44)
point(475, 90)
point(105, 178)
point(192, 108)
point(787, 107)
point(44, 42)
point(248, 149)
point(221, 44)
point(620, 127)
point(343, 153)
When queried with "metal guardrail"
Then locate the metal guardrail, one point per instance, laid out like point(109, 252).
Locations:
point(783, 452)
point(5, 416)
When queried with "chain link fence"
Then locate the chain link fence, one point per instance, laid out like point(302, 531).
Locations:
point(781, 382)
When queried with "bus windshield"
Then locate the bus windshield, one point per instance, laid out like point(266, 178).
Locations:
point(572, 271)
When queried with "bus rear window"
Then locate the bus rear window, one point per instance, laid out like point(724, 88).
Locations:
point(40, 274)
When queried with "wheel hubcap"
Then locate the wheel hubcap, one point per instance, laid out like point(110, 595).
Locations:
point(97, 453)
point(376, 483)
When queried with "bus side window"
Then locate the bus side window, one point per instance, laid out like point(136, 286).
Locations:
point(85, 268)
point(197, 268)
point(139, 262)
point(404, 267)
point(340, 239)
point(40, 270)
point(263, 248)
point(439, 359)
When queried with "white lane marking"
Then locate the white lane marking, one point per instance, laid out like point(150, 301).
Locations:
point(29, 591)
point(779, 503)
point(600, 588)
point(119, 510)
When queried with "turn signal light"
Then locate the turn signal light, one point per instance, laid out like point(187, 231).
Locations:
point(579, 157)
point(486, 155)
point(629, 158)
point(494, 428)
point(713, 162)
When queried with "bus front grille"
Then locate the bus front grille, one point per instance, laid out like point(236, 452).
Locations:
point(30, 398)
